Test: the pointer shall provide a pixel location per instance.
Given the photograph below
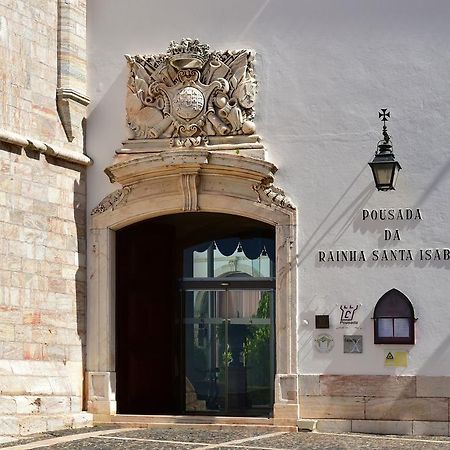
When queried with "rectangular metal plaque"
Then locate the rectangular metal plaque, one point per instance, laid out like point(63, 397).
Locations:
point(353, 344)
point(322, 321)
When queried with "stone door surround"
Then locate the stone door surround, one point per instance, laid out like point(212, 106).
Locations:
point(177, 181)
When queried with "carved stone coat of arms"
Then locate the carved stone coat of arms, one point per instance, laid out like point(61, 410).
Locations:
point(190, 93)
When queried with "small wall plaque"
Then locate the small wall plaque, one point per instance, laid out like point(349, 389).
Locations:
point(324, 343)
point(348, 314)
point(394, 358)
point(353, 344)
point(322, 321)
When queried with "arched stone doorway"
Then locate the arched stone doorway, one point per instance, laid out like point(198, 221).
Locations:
point(180, 181)
point(194, 304)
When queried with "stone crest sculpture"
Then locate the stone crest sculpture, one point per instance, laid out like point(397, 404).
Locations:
point(190, 93)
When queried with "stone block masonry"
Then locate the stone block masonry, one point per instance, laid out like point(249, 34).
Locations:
point(42, 291)
point(42, 216)
point(43, 51)
point(384, 404)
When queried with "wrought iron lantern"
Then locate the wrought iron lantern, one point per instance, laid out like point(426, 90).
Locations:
point(384, 166)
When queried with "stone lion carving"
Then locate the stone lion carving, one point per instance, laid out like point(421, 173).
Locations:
point(191, 92)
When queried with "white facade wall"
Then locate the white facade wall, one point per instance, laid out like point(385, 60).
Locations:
point(324, 70)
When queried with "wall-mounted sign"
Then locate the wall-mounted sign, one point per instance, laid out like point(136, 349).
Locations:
point(322, 321)
point(387, 216)
point(393, 358)
point(353, 344)
point(324, 343)
point(348, 314)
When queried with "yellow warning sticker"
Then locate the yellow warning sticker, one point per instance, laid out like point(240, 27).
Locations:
point(394, 358)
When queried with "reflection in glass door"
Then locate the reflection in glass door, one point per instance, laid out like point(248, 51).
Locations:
point(229, 349)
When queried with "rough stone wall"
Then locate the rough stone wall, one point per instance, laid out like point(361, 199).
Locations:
point(42, 226)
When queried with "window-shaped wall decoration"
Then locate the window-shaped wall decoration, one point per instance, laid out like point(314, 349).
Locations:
point(394, 319)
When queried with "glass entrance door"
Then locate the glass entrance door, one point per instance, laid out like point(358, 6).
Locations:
point(229, 347)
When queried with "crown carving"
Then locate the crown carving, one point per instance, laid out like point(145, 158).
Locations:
point(188, 54)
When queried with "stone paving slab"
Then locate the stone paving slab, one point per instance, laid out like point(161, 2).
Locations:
point(239, 438)
point(47, 440)
point(108, 444)
point(319, 441)
point(200, 436)
point(54, 434)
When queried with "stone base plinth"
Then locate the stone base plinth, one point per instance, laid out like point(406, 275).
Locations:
point(101, 393)
point(401, 427)
point(382, 404)
point(23, 425)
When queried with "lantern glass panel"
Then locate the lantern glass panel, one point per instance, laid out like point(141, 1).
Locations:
point(395, 174)
point(383, 173)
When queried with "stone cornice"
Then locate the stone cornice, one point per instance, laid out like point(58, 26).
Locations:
point(42, 147)
point(237, 144)
point(130, 169)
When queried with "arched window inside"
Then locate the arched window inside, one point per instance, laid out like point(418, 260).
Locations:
point(394, 319)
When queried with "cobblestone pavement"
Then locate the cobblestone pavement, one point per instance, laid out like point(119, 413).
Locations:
point(102, 438)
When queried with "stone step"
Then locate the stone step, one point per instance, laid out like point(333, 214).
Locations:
point(198, 422)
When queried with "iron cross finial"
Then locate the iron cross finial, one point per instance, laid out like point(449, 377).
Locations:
point(384, 115)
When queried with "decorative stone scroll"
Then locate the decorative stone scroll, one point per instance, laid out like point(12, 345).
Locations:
point(189, 93)
point(112, 201)
point(269, 194)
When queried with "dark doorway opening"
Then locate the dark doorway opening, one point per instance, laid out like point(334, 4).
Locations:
point(156, 327)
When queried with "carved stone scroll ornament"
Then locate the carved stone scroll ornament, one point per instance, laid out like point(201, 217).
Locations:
point(191, 92)
point(269, 194)
point(112, 201)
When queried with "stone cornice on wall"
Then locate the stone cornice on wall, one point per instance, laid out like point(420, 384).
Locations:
point(239, 145)
point(131, 169)
point(41, 147)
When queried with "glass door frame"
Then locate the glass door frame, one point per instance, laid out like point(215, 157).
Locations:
point(226, 284)
point(231, 283)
